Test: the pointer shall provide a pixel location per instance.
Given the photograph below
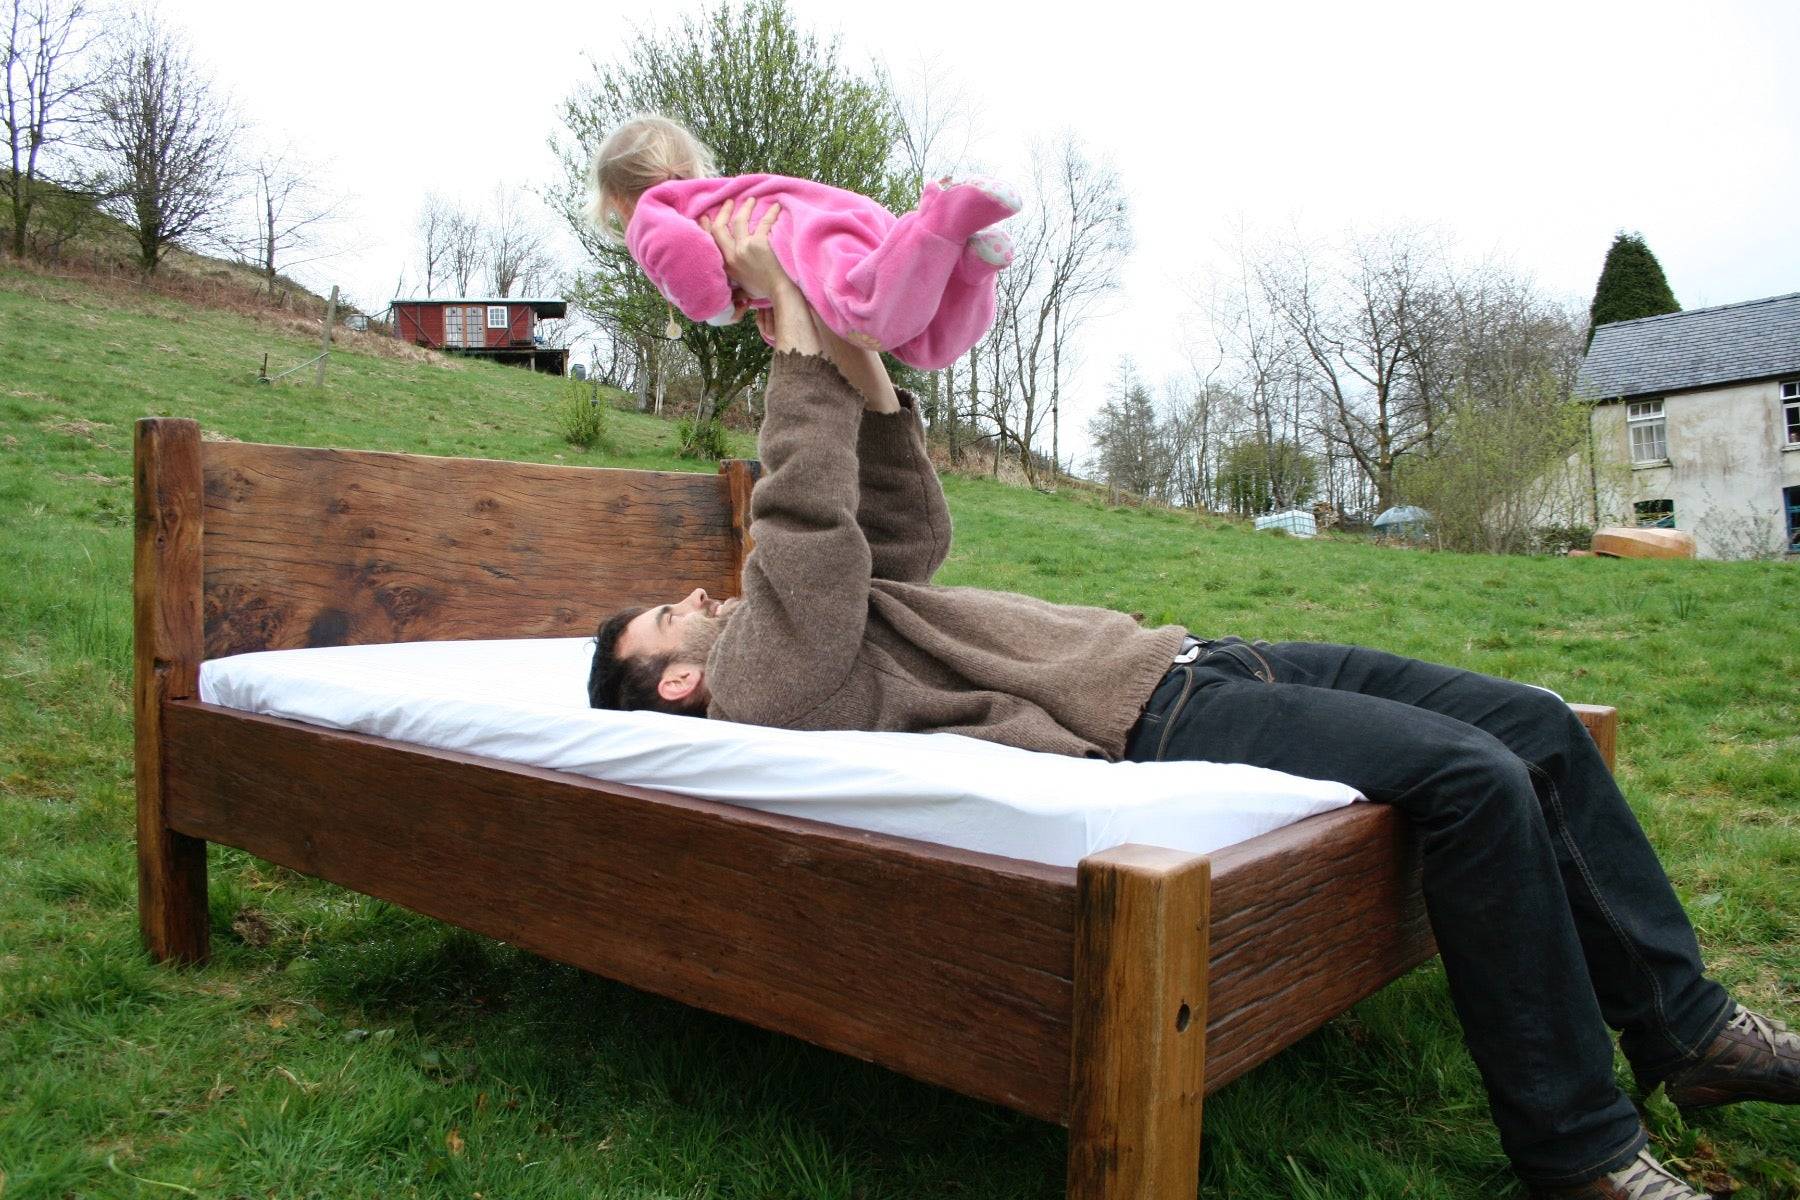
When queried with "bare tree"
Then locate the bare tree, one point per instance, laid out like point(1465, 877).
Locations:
point(1363, 316)
point(164, 136)
point(1092, 240)
point(288, 211)
point(1068, 249)
point(935, 123)
point(433, 228)
point(514, 247)
point(45, 58)
point(463, 245)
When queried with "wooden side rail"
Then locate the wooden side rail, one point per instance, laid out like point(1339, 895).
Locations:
point(946, 965)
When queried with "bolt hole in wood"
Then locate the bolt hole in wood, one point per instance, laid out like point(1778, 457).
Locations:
point(1182, 1017)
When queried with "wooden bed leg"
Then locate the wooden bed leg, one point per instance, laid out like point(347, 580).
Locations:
point(1138, 1064)
point(168, 642)
point(1602, 721)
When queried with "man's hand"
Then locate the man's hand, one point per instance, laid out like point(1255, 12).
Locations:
point(749, 259)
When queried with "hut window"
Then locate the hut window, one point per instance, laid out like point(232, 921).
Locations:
point(1790, 409)
point(1655, 514)
point(496, 316)
point(1649, 432)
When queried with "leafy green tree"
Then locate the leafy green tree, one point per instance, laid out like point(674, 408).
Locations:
point(1632, 285)
point(764, 97)
point(1255, 478)
point(1499, 474)
point(1130, 450)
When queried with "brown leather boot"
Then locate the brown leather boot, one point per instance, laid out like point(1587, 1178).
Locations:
point(1752, 1058)
point(1643, 1178)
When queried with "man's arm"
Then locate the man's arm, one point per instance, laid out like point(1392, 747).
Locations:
point(901, 507)
point(791, 644)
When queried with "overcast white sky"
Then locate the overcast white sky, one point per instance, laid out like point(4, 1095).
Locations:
point(1532, 130)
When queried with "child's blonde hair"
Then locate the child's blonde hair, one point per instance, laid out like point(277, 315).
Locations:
point(643, 151)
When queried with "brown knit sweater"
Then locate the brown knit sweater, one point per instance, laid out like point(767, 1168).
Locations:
point(842, 628)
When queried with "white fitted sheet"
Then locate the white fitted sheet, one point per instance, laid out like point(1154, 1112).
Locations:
point(525, 702)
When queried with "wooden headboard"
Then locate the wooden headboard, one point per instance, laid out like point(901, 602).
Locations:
point(311, 547)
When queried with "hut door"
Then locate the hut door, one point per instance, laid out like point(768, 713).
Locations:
point(463, 326)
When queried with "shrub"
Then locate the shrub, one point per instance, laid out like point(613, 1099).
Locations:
point(1560, 539)
point(702, 439)
point(581, 417)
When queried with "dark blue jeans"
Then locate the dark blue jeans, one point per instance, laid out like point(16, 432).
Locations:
point(1551, 911)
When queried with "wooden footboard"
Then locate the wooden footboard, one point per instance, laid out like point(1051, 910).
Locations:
point(1109, 997)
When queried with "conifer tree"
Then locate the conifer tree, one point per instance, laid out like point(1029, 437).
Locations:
point(1632, 285)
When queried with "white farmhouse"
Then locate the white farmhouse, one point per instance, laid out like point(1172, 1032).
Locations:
point(1703, 407)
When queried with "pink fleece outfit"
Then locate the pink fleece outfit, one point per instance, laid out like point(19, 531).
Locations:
point(909, 285)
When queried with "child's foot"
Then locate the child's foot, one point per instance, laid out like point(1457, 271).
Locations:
point(993, 248)
point(997, 190)
point(966, 206)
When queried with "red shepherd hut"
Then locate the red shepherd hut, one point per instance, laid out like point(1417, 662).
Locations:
point(503, 328)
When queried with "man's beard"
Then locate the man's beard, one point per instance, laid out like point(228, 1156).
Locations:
point(698, 635)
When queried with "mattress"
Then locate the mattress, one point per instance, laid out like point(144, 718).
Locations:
point(525, 702)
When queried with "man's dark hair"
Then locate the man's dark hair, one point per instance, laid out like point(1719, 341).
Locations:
point(621, 683)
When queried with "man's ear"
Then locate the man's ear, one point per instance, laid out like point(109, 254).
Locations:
point(679, 681)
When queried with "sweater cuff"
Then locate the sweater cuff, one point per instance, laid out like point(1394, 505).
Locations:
point(799, 366)
point(890, 437)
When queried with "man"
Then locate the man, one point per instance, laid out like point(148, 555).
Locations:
point(1551, 911)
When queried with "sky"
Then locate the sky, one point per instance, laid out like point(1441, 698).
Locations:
point(1529, 132)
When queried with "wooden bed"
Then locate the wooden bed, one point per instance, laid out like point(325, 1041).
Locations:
point(1110, 997)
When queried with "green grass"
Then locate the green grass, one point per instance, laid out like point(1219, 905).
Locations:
point(339, 1047)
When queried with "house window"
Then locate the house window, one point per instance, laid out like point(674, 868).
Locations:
point(1649, 436)
point(1790, 409)
point(1654, 514)
point(496, 316)
point(1790, 498)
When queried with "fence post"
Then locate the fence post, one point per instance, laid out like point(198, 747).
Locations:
point(325, 342)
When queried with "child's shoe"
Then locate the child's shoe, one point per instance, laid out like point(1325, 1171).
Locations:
point(988, 251)
point(997, 190)
point(957, 209)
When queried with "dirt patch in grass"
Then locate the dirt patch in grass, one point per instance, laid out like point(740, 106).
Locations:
point(76, 427)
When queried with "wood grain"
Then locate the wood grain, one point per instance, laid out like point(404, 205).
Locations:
point(740, 476)
point(1137, 1073)
point(1602, 723)
point(951, 967)
point(309, 547)
point(166, 648)
point(1306, 921)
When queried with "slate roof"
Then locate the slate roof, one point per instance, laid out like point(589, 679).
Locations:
point(1702, 347)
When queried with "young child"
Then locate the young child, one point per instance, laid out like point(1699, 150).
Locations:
point(919, 286)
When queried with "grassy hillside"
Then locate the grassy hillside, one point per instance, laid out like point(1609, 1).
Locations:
point(338, 1047)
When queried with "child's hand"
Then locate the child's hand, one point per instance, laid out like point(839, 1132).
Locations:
point(749, 259)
